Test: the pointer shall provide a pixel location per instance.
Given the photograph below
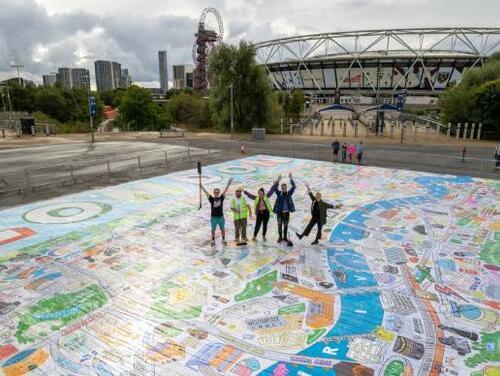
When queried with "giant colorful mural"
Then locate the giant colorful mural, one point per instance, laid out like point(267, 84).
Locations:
point(123, 280)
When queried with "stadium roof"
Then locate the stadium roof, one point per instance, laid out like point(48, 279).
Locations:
point(432, 50)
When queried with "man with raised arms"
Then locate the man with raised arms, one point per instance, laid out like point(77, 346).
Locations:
point(217, 211)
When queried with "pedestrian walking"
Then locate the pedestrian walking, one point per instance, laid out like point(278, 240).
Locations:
point(344, 152)
point(318, 215)
point(497, 157)
point(464, 152)
point(262, 209)
point(351, 149)
point(335, 148)
point(217, 211)
point(360, 149)
point(283, 206)
point(241, 210)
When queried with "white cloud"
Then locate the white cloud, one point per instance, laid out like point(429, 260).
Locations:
point(46, 34)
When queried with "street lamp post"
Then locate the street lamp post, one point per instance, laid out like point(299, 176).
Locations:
point(378, 120)
point(231, 88)
point(18, 67)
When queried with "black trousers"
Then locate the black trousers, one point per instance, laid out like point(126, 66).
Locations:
point(313, 222)
point(360, 155)
point(283, 219)
point(262, 219)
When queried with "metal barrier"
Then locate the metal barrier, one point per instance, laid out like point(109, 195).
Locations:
point(436, 163)
point(36, 178)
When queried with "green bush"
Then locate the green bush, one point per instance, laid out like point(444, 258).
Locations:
point(476, 99)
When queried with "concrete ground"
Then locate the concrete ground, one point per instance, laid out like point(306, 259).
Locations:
point(12, 159)
point(69, 163)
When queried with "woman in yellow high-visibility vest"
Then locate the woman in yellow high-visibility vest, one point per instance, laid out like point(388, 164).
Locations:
point(262, 209)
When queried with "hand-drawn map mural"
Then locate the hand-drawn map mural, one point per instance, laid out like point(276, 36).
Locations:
point(123, 280)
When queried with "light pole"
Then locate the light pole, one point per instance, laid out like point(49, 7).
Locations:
point(378, 121)
point(231, 88)
point(18, 66)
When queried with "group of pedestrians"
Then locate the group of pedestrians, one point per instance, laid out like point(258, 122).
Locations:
point(348, 151)
point(283, 207)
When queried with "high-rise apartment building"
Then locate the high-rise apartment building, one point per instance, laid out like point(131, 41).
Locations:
point(107, 75)
point(163, 66)
point(49, 79)
point(80, 78)
point(64, 77)
point(183, 76)
point(73, 78)
point(126, 79)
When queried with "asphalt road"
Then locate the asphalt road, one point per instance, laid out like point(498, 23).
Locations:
point(57, 154)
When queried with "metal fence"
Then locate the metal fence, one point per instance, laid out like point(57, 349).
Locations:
point(437, 163)
point(69, 173)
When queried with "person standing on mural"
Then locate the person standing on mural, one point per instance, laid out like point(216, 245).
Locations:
point(283, 206)
point(217, 211)
point(262, 209)
point(344, 152)
point(318, 215)
point(335, 148)
point(360, 149)
point(241, 211)
point(351, 149)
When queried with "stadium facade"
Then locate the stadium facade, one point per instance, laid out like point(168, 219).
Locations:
point(415, 61)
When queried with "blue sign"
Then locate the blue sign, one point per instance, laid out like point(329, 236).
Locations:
point(400, 101)
point(92, 106)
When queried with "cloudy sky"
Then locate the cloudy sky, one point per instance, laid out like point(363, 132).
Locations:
point(43, 35)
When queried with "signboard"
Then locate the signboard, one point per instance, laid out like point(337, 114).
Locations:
point(92, 106)
point(400, 101)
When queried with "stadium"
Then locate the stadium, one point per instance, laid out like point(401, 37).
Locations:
point(417, 62)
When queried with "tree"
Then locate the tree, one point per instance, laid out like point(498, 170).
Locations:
point(487, 106)
point(475, 98)
point(297, 103)
point(112, 97)
point(50, 101)
point(22, 98)
point(190, 109)
point(253, 99)
point(138, 111)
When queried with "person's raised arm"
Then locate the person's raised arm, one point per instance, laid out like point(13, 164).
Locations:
point(292, 183)
point(309, 192)
point(274, 188)
point(204, 190)
point(227, 186)
point(249, 195)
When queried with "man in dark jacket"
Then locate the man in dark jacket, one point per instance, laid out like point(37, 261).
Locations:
point(283, 206)
point(318, 212)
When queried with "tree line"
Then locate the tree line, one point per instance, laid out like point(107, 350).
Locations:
point(255, 102)
point(476, 99)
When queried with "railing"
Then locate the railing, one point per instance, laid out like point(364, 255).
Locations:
point(436, 163)
point(32, 179)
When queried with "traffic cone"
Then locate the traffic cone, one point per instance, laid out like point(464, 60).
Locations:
point(242, 149)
